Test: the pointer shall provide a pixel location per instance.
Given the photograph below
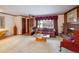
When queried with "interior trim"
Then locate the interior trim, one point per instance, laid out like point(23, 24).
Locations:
point(72, 9)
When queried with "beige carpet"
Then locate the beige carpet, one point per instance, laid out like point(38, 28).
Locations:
point(23, 43)
point(27, 44)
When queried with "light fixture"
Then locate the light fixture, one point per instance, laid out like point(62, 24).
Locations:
point(1, 10)
point(75, 20)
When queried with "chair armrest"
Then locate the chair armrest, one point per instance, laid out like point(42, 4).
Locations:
point(69, 45)
point(66, 43)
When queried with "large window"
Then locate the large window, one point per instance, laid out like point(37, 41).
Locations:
point(1, 22)
point(46, 24)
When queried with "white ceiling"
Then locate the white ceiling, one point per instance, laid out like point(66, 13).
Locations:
point(35, 9)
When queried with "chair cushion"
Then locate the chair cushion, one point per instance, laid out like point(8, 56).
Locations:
point(76, 36)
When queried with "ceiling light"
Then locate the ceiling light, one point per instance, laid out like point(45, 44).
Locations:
point(1, 10)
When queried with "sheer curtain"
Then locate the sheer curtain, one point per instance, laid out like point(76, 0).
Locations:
point(45, 24)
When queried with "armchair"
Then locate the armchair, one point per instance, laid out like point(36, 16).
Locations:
point(72, 45)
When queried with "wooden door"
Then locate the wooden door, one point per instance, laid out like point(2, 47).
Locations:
point(30, 25)
point(24, 25)
point(14, 30)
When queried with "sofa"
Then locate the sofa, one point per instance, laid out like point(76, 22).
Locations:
point(72, 45)
point(47, 31)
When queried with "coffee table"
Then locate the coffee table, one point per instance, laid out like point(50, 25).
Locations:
point(41, 39)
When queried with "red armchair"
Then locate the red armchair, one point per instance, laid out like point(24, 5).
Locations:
point(70, 44)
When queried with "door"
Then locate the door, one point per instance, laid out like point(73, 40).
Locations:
point(24, 25)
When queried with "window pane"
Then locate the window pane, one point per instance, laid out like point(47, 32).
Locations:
point(46, 24)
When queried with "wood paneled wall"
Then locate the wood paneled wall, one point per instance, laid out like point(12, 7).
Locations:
point(65, 18)
point(30, 24)
point(56, 26)
point(65, 24)
point(30, 27)
point(78, 13)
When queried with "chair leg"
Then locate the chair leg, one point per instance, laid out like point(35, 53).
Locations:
point(60, 49)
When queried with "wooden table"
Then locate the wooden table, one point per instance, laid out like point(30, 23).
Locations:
point(41, 39)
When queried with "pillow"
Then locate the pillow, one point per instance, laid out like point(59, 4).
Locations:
point(70, 38)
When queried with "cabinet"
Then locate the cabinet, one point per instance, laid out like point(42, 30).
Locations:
point(2, 33)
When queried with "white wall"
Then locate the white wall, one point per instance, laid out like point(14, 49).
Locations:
point(8, 23)
point(60, 23)
point(18, 23)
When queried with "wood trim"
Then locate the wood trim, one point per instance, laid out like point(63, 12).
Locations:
point(65, 24)
point(72, 9)
point(78, 13)
point(7, 14)
point(29, 25)
point(11, 14)
point(56, 26)
point(65, 18)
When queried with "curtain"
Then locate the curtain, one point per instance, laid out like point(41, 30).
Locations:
point(46, 17)
point(49, 22)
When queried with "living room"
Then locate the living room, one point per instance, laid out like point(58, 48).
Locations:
point(38, 29)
